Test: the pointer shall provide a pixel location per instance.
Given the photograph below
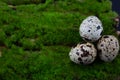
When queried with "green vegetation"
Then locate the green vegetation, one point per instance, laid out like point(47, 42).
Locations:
point(35, 40)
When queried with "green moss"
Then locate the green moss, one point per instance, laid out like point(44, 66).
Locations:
point(35, 40)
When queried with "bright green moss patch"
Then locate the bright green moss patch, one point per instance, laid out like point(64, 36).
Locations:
point(52, 63)
point(35, 40)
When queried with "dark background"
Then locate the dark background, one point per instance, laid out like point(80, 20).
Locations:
point(116, 6)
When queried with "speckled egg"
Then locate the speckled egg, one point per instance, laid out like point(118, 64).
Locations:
point(108, 47)
point(83, 53)
point(91, 29)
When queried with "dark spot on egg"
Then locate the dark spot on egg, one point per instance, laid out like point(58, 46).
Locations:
point(87, 39)
point(88, 30)
point(106, 56)
point(101, 45)
point(85, 54)
point(80, 59)
point(89, 46)
point(90, 20)
point(113, 49)
point(81, 47)
point(113, 55)
point(77, 53)
point(98, 27)
point(106, 36)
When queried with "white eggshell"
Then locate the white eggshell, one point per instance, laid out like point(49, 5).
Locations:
point(91, 29)
point(108, 47)
point(83, 53)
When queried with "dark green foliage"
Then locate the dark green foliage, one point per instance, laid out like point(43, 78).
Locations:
point(35, 40)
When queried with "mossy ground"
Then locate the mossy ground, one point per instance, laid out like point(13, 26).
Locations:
point(35, 40)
